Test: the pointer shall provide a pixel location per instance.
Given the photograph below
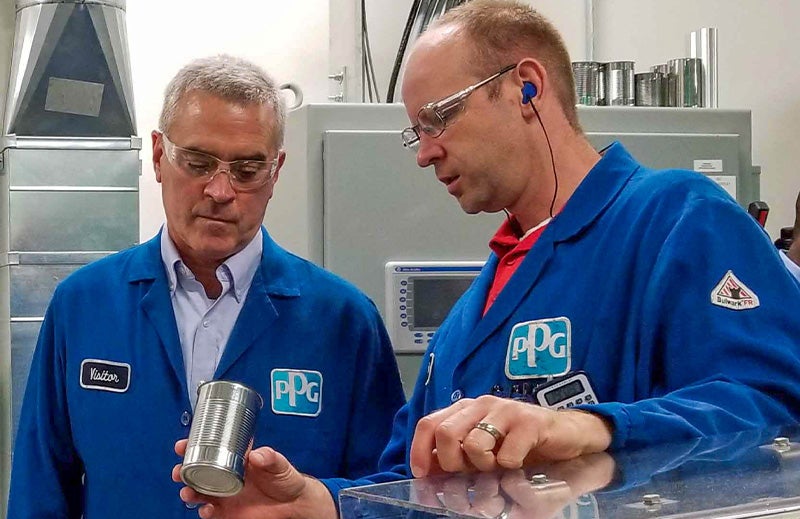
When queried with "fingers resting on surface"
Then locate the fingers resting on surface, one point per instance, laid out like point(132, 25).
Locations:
point(509, 434)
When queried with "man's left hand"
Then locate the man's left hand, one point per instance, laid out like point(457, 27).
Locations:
point(488, 433)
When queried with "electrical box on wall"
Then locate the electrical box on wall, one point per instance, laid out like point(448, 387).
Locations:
point(352, 198)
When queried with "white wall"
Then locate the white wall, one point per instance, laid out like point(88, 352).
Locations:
point(386, 20)
point(759, 69)
point(293, 41)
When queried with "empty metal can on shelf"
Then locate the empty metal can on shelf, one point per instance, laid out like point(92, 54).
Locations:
point(602, 70)
point(649, 87)
point(222, 431)
point(661, 68)
point(686, 82)
point(586, 82)
point(620, 84)
point(663, 75)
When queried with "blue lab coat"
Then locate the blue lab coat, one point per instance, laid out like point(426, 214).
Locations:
point(633, 262)
point(296, 317)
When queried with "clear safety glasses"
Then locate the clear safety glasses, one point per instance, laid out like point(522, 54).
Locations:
point(434, 118)
point(244, 175)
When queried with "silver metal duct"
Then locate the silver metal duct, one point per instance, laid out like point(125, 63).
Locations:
point(69, 171)
point(70, 70)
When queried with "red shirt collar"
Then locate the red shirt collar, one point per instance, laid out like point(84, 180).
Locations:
point(505, 240)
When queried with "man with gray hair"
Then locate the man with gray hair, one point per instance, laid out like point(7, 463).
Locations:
point(127, 340)
point(620, 306)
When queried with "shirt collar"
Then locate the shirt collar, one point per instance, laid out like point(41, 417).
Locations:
point(239, 269)
point(505, 239)
point(243, 266)
point(171, 258)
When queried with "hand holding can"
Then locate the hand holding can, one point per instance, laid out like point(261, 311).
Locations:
point(221, 434)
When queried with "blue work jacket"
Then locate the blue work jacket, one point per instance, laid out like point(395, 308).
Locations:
point(632, 279)
point(86, 450)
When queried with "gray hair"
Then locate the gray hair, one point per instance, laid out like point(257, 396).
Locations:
point(230, 78)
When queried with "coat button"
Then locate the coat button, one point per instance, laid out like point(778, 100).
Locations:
point(456, 395)
point(186, 418)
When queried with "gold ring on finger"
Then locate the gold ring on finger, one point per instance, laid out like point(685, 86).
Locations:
point(491, 429)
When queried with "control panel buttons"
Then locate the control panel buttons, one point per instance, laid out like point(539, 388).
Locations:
point(419, 294)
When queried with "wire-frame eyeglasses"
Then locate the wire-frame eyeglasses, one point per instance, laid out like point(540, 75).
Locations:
point(244, 175)
point(434, 118)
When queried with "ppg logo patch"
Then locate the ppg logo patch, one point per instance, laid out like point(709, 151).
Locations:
point(297, 392)
point(539, 349)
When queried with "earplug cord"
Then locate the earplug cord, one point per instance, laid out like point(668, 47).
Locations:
point(552, 158)
point(513, 222)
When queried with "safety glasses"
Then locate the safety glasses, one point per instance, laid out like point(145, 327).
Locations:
point(244, 175)
point(434, 118)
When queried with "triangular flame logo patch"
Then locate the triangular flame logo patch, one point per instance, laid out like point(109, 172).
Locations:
point(731, 293)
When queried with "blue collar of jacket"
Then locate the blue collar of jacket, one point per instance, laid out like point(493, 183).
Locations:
point(275, 272)
point(595, 193)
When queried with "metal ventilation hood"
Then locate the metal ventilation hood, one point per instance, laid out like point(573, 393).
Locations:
point(70, 70)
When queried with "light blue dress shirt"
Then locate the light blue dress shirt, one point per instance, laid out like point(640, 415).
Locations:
point(204, 324)
point(791, 265)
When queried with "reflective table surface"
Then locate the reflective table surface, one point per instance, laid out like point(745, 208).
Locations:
point(748, 474)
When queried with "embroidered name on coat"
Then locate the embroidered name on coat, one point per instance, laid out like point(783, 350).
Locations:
point(105, 375)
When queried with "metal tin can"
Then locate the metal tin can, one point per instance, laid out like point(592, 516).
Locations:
point(587, 88)
point(222, 431)
point(619, 83)
point(649, 89)
point(602, 70)
point(686, 82)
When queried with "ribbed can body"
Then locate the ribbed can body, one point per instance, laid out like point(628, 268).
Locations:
point(222, 431)
point(649, 89)
point(587, 85)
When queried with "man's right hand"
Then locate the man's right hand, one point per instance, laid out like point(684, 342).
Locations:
point(272, 488)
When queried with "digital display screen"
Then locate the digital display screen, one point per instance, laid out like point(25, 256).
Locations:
point(434, 297)
point(564, 392)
